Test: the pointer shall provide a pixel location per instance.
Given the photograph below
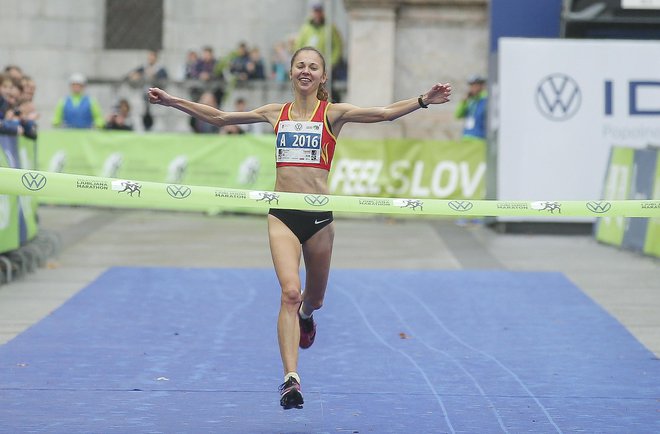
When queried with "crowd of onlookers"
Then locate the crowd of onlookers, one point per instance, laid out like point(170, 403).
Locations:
point(207, 76)
point(18, 115)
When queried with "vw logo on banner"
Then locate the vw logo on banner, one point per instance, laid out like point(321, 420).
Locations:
point(33, 181)
point(558, 97)
point(316, 199)
point(178, 191)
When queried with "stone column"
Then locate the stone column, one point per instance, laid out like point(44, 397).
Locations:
point(399, 48)
point(372, 33)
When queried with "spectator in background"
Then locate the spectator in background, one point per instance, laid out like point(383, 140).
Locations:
point(9, 93)
point(152, 73)
point(120, 119)
point(206, 64)
point(29, 89)
point(210, 76)
point(313, 33)
point(9, 121)
point(255, 66)
point(191, 72)
point(14, 72)
point(239, 61)
point(78, 110)
point(199, 126)
point(190, 67)
point(17, 113)
point(280, 61)
point(26, 105)
point(473, 109)
point(240, 105)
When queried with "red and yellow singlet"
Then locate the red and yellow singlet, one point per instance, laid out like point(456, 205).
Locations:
point(304, 143)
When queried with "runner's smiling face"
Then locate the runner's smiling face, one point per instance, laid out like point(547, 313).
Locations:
point(307, 71)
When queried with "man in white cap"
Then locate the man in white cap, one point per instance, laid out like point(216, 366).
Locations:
point(78, 110)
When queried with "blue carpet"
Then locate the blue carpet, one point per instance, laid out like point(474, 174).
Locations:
point(195, 350)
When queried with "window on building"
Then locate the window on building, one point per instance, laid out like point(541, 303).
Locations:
point(133, 24)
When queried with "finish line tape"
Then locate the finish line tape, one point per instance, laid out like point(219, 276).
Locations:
point(141, 194)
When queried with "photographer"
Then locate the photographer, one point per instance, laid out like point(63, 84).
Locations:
point(120, 119)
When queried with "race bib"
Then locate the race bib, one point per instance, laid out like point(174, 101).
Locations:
point(299, 142)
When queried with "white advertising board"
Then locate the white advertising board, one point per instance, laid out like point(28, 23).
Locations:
point(563, 104)
point(640, 4)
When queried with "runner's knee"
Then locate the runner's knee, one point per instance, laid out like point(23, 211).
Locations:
point(291, 294)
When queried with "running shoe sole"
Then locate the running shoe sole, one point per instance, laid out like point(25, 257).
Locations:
point(292, 399)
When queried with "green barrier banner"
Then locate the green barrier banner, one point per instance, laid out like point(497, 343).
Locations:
point(245, 161)
point(143, 194)
point(384, 168)
point(652, 242)
point(410, 168)
point(611, 230)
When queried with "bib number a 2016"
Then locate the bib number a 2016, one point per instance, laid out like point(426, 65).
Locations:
point(300, 141)
point(306, 140)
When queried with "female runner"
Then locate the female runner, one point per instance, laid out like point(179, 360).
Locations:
point(307, 129)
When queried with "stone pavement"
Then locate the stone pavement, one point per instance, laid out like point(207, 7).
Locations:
point(625, 284)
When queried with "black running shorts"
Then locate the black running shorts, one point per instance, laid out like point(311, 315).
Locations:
point(304, 224)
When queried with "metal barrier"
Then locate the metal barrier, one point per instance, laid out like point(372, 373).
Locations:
point(23, 248)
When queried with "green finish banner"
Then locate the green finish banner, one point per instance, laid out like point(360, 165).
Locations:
point(144, 194)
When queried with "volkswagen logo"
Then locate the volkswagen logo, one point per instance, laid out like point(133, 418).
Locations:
point(316, 199)
point(599, 207)
point(298, 126)
point(178, 191)
point(33, 181)
point(558, 97)
point(460, 205)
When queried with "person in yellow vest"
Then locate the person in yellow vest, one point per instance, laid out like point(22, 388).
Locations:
point(78, 110)
point(314, 33)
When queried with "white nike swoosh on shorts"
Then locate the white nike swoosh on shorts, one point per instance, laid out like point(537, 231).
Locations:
point(318, 222)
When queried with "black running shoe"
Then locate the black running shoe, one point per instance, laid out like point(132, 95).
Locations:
point(290, 394)
point(307, 331)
